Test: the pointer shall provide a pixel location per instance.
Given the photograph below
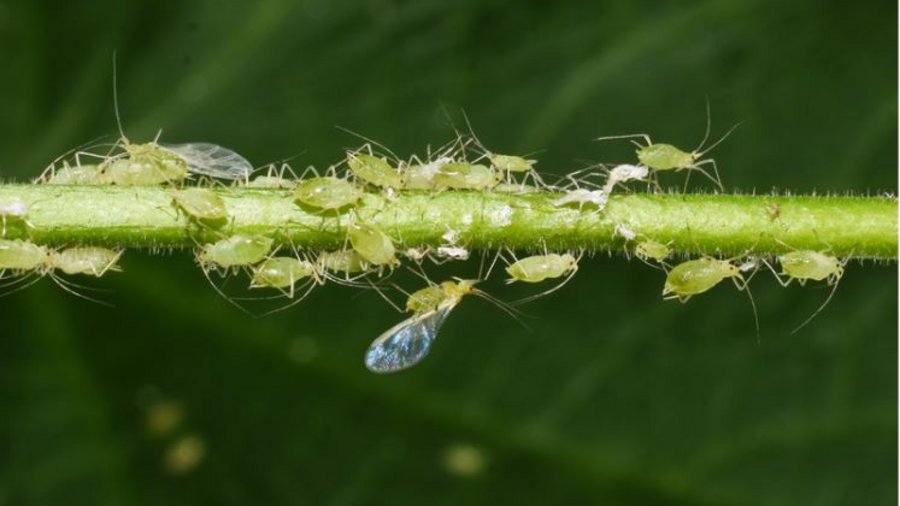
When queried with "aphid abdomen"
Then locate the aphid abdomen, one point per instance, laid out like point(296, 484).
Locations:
point(76, 175)
point(697, 276)
point(327, 192)
point(808, 264)
point(201, 204)
point(511, 163)
point(464, 176)
point(237, 250)
point(538, 268)
point(426, 299)
point(346, 261)
point(650, 249)
point(664, 157)
point(281, 272)
point(372, 244)
point(18, 255)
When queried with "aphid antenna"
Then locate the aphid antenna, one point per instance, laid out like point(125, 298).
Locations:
point(370, 141)
point(20, 282)
point(309, 288)
point(744, 286)
point(646, 138)
point(115, 82)
point(384, 296)
point(420, 273)
point(51, 168)
point(221, 293)
point(510, 310)
point(71, 287)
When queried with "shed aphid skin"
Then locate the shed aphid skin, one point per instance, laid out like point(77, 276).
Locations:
point(13, 210)
point(624, 232)
point(805, 265)
point(87, 260)
point(581, 196)
point(327, 192)
point(624, 173)
point(407, 343)
point(235, 251)
point(660, 157)
point(372, 244)
point(201, 205)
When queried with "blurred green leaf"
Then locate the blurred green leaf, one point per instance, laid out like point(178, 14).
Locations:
point(613, 396)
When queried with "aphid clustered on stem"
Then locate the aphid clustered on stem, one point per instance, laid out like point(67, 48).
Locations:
point(370, 254)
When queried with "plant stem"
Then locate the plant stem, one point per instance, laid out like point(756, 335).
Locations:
point(143, 217)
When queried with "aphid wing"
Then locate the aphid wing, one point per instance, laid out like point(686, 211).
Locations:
point(212, 160)
point(407, 343)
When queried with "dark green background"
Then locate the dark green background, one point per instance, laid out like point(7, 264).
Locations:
point(615, 397)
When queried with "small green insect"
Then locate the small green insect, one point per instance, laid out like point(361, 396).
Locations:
point(274, 182)
point(648, 249)
point(88, 260)
point(537, 268)
point(407, 343)
point(235, 251)
point(663, 157)
point(372, 244)
point(466, 176)
point(282, 272)
point(805, 265)
point(143, 164)
point(327, 192)
point(511, 163)
point(420, 176)
point(697, 276)
point(373, 170)
point(345, 261)
point(201, 204)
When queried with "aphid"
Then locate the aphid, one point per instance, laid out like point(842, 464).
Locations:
point(466, 176)
point(89, 260)
point(407, 343)
point(804, 265)
point(327, 192)
point(13, 209)
point(511, 163)
point(374, 170)
point(581, 197)
point(201, 204)
point(235, 251)
point(345, 261)
point(697, 276)
point(271, 182)
point(623, 174)
point(282, 272)
point(535, 269)
point(372, 244)
point(663, 157)
point(648, 249)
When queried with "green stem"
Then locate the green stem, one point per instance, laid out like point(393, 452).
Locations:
point(858, 227)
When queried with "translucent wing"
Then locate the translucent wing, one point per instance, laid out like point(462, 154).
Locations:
point(212, 160)
point(406, 343)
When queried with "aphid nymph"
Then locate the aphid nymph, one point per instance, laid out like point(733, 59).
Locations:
point(201, 205)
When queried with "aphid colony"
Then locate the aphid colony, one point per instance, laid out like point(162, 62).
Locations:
point(369, 250)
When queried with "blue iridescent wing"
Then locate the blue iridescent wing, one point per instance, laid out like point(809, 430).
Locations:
point(212, 160)
point(406, 343)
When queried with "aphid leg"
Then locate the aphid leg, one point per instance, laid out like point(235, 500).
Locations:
point(514, 313)
point(819, 310)
point(627, 136)
point(744, 285)
point(717, 180)
point(71, 288)
point(19, 283)
point(778, 278)
point(309, 288)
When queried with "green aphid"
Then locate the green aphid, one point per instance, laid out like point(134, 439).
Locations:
point(375, 171)
point(89, 260)
point(465, 176)
point(201, 204)
point(274, 182)
point(345, 261)
point(804, 265)
point(144, 164)
point(511, 163)
point(282, 272)
point(235, 251)
point(372, 244)
point(649, 249)
point(19, 256)
point(697, 276)
point(537, 268)
point(327, 192)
